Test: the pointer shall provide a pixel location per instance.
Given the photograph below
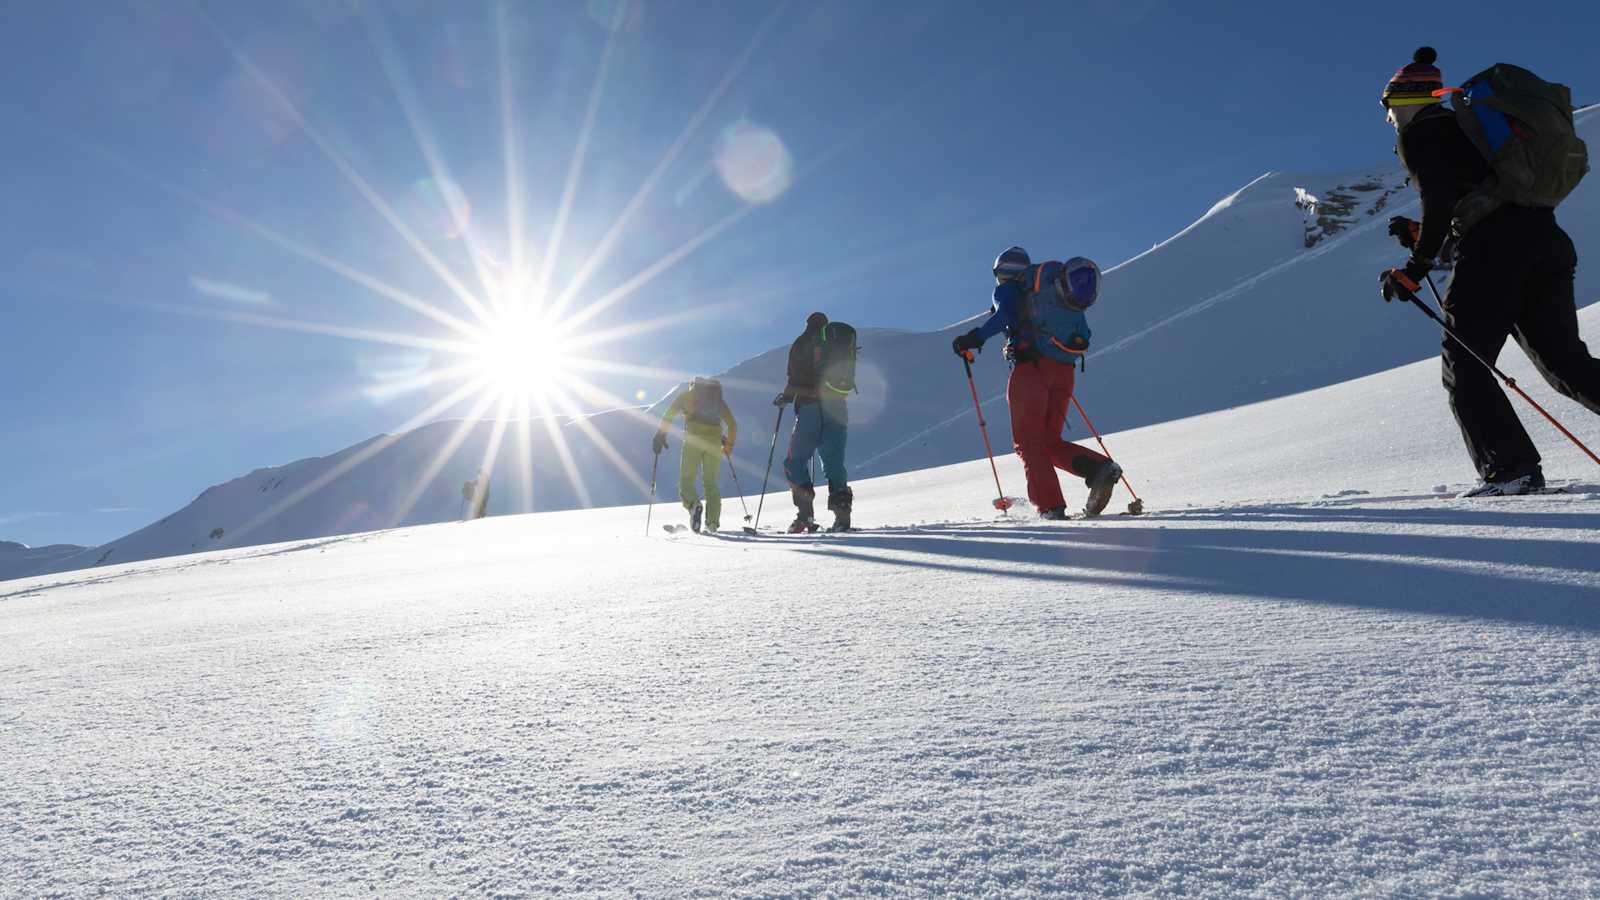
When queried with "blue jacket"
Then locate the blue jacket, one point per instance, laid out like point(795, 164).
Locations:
point(1013, 315)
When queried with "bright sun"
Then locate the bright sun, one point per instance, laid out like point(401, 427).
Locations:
point(521, 355)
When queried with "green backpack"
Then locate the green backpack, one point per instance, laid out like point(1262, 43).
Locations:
point(1523, 126)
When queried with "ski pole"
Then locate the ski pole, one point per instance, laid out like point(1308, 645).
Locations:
point(1000, 501)
point(776, 427)
point(735, 473)
point(1137, 506)
point(651, 511)
point(1509, 381)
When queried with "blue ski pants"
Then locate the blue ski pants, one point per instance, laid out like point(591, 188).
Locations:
point(820, 426)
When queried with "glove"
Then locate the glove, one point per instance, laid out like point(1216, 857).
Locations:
point(1395, 284)
point(727, 447)
point(782, 399)
point(658, 443)
point(1404, 283)
point(965, 342)
point(1406, 231)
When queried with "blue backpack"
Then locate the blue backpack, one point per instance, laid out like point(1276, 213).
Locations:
point(1057, 295)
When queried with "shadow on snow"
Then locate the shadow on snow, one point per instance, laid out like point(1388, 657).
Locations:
point(1512, 576)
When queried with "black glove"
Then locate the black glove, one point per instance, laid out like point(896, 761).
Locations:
point(965, 342)
point(658, 443)
point(1404, 283)
point(1395, 284)
point(1406, 231)
point(782, 399)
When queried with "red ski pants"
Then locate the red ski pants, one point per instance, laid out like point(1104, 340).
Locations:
point(1039, 393)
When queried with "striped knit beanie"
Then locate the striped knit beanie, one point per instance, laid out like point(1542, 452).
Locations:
point(1414, 84)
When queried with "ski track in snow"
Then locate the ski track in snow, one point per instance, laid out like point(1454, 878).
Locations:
point(1360, 696)
point(1322, 249)
point(1304, 673)
point(1242, 287)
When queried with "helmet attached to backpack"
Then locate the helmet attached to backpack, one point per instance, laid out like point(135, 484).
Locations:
point(1054, 296)
point(1011, 265)
point(1078, 284)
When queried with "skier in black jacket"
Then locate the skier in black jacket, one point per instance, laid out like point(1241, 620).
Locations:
point(821, 426)
point(1513, 277)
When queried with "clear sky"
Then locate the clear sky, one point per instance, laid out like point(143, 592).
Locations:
point(241, 234)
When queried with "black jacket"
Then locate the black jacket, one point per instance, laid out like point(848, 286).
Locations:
point(1444, 166)
point(803, 374)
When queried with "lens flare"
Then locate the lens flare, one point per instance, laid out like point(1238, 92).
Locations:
point(873, 398)
point(753, 162)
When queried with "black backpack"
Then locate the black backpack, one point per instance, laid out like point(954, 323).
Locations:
point(836, 358)
point(1523, 126)
point(704, 405)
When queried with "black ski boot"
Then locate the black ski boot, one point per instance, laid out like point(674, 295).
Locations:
point(805, 514)
point(1054, 514)
point(839, 502)
point(694, 516)
point(1528, 483)
point(1101, 484)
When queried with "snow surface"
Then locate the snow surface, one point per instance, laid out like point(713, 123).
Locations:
point(1308, 672)
point(1269, 294)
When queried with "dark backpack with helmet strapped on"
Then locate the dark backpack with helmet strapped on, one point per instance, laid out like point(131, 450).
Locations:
point(704, 406)
point(1523, 126)
point(836, 351)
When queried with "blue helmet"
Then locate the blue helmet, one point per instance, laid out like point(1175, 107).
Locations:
point(1011, 265)
point(1079, 286)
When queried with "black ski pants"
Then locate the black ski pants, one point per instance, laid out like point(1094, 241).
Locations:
point(1513, 278)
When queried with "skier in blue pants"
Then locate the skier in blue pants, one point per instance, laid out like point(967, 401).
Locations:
point(821, 423)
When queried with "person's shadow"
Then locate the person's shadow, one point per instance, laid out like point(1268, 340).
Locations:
point(1520, 572)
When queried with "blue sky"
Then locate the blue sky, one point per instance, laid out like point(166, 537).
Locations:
point(178, 178)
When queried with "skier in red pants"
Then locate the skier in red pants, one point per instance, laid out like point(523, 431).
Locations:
point(1040, 308)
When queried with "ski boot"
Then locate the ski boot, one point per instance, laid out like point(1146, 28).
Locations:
point(805, 514)
point(1529, 483)
point(1101, 484)
point(840, 502)
point(694, 516)
point(1054, 514)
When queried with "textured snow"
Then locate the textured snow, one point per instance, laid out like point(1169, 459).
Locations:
point(1308, 672)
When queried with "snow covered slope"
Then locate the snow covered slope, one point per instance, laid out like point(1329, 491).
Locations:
point(1270, 293)
point(1308, 672)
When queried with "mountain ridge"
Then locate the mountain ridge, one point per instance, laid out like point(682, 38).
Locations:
point(1280, 272)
